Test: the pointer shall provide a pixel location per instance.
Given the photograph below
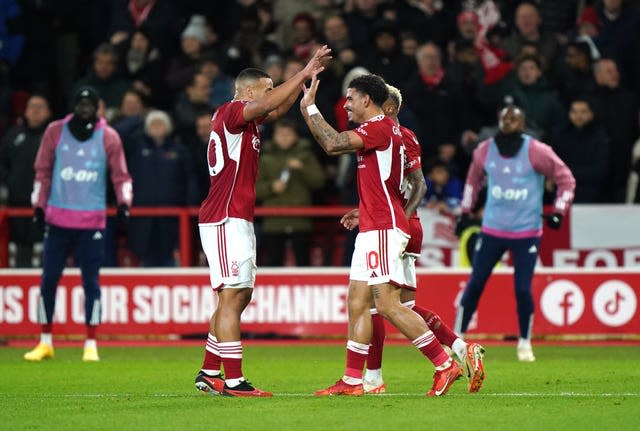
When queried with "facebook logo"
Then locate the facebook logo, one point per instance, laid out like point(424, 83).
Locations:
point(562, 302)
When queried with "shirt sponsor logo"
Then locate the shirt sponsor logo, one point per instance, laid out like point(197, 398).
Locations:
point(80, 175)
point(509, 194)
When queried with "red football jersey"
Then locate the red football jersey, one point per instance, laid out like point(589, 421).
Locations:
point(234, 147)
point(412, 152)
point(380, 172)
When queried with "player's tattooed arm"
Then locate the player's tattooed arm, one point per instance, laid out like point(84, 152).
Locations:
point(332, 141)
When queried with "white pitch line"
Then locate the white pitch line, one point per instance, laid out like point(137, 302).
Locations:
point(391, 395)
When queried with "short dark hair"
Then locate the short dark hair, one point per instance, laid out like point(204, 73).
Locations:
point(583, 48)
point(373, 85)
point(533, 58)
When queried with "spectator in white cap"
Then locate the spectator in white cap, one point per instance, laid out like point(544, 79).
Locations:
point(184, 65)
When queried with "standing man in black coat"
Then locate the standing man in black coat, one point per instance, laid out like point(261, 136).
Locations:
point(617, 107)
point(583, 145)
point(17, 154)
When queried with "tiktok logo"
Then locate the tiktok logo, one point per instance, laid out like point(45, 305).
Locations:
point(562, 302)
point(614, 303)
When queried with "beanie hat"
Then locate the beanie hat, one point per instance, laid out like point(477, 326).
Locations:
point(589, 15)
point(87, 92)
point(195, 28)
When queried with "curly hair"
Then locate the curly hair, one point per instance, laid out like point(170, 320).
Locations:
point(373, 85)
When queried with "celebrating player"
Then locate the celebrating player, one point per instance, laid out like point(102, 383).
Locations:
point(377, 271)
point(226, 216)
point(414, 189)
point(515, 165)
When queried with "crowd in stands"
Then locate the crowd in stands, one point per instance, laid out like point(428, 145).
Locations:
point(162, 67)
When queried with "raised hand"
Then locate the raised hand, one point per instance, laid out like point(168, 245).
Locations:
point(309, 97)
point(317, 61)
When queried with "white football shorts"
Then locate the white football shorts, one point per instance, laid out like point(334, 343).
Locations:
point(377, 257)
point(230, 248)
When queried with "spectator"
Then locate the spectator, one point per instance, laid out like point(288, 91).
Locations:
point(194, 99)
point(197, 141)
point(17, 154)
point(142, 65)
point(530, 90)
point(409, 43)
point(289, 172)
point(386, 59)
point(104, 77)
point(129, 121)
point(583, 145)
point(528, 30)
point(163, 175)
point(156, 15)
point(360, 16)
point(432, 20)
point(618, 37)
point(221, 83)
point(431, 96)
point(617, 108)
point(468, 27)
point(274, 66)
point(576, 75)
point(248, 46)
point(444, 191)
point(337, 36)
point(588, 29)
point(185, 64)
point(80, 146)
point(304, 35)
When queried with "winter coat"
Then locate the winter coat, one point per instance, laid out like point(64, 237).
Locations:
point(162, 176)
point(586, 152)
point(301, 183)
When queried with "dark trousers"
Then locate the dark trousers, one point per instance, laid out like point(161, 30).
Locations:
point(89, 253)
point(489, 250)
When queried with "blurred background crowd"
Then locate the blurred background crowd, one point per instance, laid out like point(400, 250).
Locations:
point(162, 67)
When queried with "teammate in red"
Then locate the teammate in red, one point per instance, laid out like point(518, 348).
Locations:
point(377, 274)
point(413, 188)
point(226, 216)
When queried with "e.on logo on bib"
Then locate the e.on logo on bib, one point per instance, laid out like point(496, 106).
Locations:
point(614, 303)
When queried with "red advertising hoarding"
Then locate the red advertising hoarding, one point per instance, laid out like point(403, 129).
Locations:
point(312, 302)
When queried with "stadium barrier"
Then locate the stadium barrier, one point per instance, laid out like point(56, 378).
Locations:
point(311, 302)
point(587, 237)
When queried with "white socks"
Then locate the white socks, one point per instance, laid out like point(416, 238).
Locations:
point(46, 339)
point(90, 344)
point(459, 347)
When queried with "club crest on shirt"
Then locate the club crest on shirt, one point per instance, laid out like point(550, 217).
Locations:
point(235, 269)
point(255, 141)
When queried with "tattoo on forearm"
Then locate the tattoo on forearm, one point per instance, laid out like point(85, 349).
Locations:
point(329, 138)
point(376, 292)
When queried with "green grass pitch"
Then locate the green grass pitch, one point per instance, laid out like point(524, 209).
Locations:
point(151, 388)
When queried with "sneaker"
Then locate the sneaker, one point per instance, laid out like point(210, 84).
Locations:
point(442, 380)
point(90, 354)
point(210, 384)
point(244, 389)
point(40, 352)
point(525, 354)
point(374, 388)
point(474, 367)
point(341, 388)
